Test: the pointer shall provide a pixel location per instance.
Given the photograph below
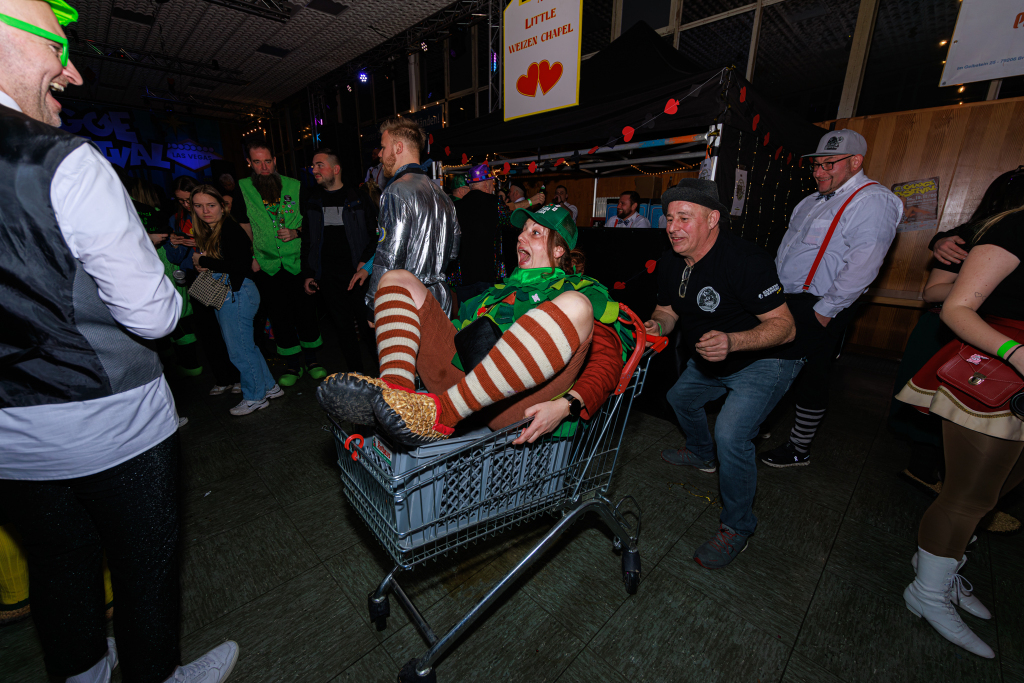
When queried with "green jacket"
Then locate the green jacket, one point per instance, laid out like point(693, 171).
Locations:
point(272, 253)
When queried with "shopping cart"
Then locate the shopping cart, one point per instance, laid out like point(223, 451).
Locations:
point(434, 500)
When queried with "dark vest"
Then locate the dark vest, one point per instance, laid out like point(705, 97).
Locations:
point(58, 341)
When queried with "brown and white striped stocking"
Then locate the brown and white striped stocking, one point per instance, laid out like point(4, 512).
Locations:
point(397, 326)
point(532, 351)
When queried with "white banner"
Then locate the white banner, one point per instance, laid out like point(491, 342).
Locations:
point(987, 43)
point(541, 56)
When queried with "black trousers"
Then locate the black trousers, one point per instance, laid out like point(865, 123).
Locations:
point(348, 313)
point(821, 344)
point(209, 335)
point(131, 511)
point(291, 311)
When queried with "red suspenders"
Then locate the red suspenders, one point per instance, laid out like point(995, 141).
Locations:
point(828, 235)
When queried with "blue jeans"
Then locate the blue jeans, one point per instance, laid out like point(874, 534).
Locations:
point(235, 319)
point(752, 393)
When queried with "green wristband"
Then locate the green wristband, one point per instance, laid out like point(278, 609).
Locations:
point(661, 330)
point(1009, 344)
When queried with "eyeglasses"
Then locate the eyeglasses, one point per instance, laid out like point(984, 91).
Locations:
point(35, 30)
point(685, 281)
point(827, 165)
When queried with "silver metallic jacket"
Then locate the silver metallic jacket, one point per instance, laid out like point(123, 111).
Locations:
point(419, 233)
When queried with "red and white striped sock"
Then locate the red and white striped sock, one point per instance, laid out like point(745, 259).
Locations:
point(397, 326)
point(532, 351)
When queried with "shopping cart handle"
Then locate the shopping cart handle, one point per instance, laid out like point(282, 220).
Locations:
point(640, 332)
point(359, 444)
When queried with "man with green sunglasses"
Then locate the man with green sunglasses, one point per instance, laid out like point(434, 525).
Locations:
point(89, 450)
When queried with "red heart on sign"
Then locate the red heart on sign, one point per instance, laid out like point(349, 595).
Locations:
point(549, 75)
point(593, 150)
point(527, 85)
point(506, 168)
point(651, 265)
point(533, 167)
point(447, 151)
point(672, 106)
point(465, 159)
point(619, 285)
point(627, 133)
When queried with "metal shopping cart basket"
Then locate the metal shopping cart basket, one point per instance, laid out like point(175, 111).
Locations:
point(440, 497)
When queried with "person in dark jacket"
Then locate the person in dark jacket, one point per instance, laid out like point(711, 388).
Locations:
point(337, 243)
point(223, 248)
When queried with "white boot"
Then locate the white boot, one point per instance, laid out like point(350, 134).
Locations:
point(929, 597)
point(963, 596)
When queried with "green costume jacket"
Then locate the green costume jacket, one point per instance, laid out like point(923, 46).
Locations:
point(271, 253)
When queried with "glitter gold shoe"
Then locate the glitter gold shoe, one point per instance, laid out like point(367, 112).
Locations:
point(411, 419)
point(346, 396)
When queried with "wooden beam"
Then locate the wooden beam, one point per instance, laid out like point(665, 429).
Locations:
point(858, 58)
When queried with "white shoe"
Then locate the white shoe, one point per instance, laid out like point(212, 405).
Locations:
point(213, 667)
point(275, 392)
point(100, 671)
point(236, 388)
point(929, 597)
point(246, 407)
point(219, 389)
point(182, 421)
point(963, 596)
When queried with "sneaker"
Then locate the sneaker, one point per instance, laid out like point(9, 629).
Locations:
point(316, 371)
point(246, 407)
point(674, 456)
point(101, 670)
point(236, 388)
point(219, 389)
point(274, 392)
point(213, 667)
point(290, 377)
point(786, 455)
point(722, 549)
point(182, 421)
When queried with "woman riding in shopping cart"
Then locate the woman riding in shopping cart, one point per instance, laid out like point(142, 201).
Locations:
point(546, 344)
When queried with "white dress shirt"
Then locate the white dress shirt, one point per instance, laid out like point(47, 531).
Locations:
point(855, 253)
point(634, 221)
point(102, 230)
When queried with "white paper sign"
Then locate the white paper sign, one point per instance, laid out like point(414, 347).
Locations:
point(988, 42)
point(541, 62)
point(708, 168)
point(739, 193)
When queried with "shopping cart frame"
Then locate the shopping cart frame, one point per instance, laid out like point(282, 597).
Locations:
point(571, 489)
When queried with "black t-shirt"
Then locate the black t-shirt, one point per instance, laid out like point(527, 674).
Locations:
point(1007, 299)
point(478, 219)
point(735, 282)
point(238, 210)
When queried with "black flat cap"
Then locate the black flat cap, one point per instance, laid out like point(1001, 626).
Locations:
point(695, 191)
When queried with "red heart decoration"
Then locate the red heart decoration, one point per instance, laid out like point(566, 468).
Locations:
point(651, 265)
point(506, 168)
point(549, 75)
point(561, 160)
point(627, 133)
point(778, 152)
point(672, 106)
point(757, 119)
point(766, 136)
point(789, 158)
point(743, 94)
point(619, 285)
point(447, 151)
point(465, 159)
point(593, 150)
point(533, 167)
point(430, 139)
point(527, 85)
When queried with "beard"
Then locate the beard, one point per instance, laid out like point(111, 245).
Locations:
point(269, 186)
point(388, 164)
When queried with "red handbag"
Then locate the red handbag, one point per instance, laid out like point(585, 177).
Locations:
point(981, 377)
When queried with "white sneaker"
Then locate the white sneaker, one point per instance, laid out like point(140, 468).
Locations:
point(275, 392)
point(213, 667)
point(246, 407)
point(100, 671)
point(219, 389)
point(236, 388)
point(182, 421)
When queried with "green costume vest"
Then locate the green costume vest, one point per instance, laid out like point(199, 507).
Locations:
point(271, 253)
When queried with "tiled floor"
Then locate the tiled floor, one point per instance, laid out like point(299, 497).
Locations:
point(276, 559)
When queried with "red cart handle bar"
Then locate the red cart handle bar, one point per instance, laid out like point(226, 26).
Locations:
point(658, 344)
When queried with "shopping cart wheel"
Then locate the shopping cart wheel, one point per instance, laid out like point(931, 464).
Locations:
point(631, 569)
point(408, 674)
point(379, 611)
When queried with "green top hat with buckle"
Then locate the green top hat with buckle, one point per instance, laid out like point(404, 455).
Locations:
point(551, 216)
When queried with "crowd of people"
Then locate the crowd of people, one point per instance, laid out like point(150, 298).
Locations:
point(90, 463)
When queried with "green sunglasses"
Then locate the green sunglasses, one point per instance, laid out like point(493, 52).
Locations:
point(35, 30)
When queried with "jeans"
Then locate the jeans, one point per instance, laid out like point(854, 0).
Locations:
point(129, 511)
point(235, 318)
point(752, 393)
